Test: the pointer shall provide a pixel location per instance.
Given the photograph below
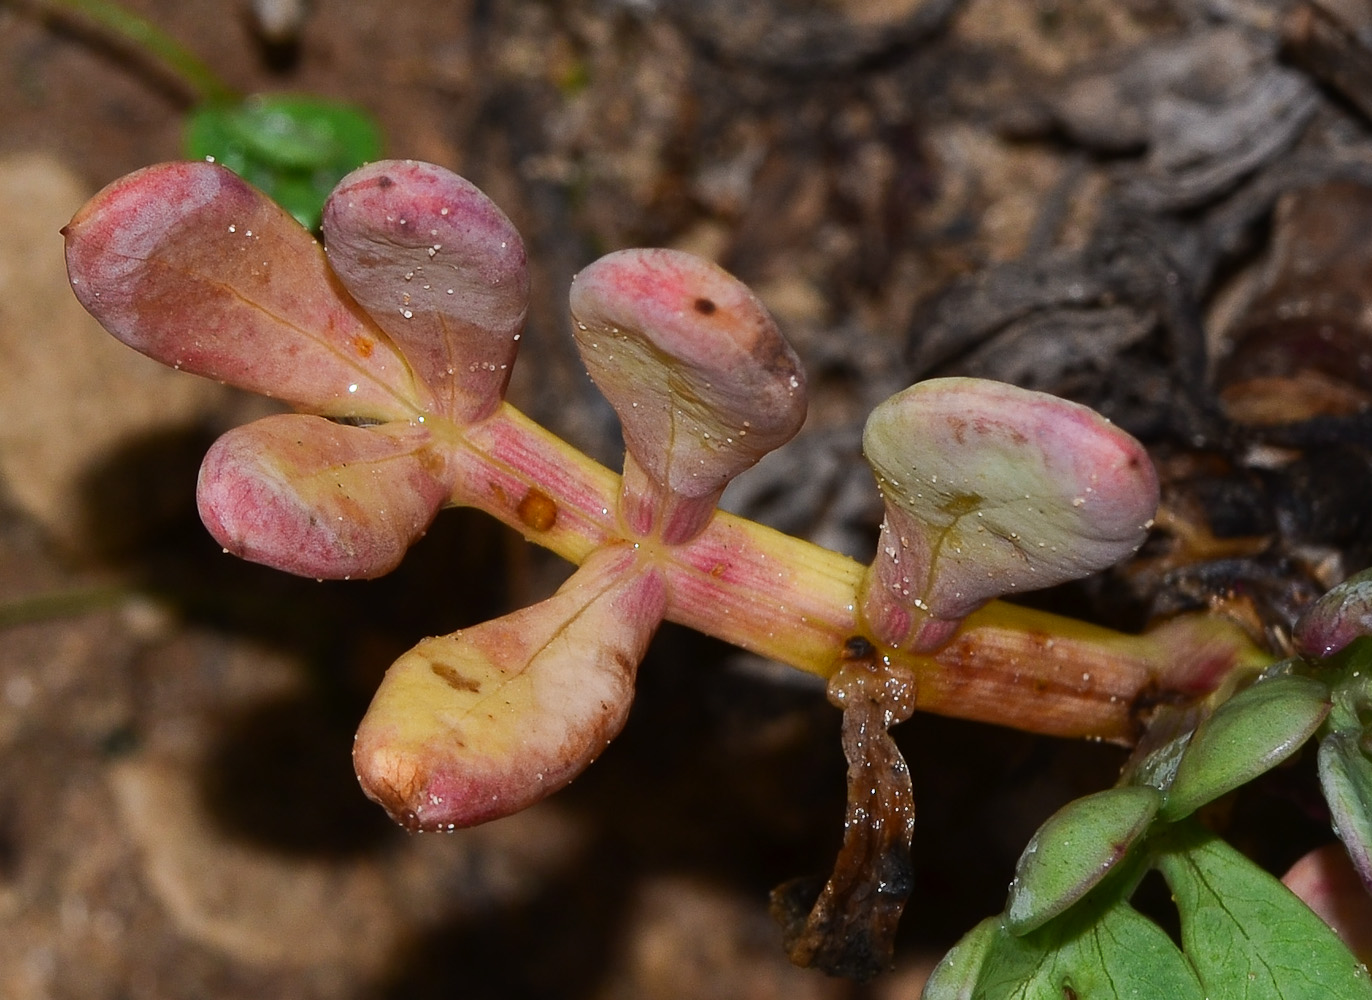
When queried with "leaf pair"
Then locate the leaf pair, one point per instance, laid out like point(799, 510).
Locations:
point(1243, 935)
point(1080, 846)
point(1067, 925)
point(188, 264)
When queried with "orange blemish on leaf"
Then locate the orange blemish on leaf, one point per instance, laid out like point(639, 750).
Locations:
point(363, 346)
point(537, 510)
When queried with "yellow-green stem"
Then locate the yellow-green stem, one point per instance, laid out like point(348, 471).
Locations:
point(792, 601)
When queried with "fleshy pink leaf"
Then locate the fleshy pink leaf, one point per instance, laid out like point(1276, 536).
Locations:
point(316, 498)
point(441, 270)
point(481, 723)
point(1337, 618)
point(702, 380)
point(990, 489)
point(190, 265)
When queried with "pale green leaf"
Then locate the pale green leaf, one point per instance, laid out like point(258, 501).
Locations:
point(1346, 777)
point(1248, 936)
point(1076, 848)
point(955, 978)
point(1092, 952)
point(1249, 734)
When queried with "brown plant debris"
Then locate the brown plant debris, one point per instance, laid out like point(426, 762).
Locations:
point(849, 930)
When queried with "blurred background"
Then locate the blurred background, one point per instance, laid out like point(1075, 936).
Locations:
point(1158, 208)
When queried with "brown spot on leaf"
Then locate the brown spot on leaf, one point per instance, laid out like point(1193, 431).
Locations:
point(455, 680)
point(706, 307)
point(363, 347)
point(962, 504)
point(537, 510)
point(384, 181)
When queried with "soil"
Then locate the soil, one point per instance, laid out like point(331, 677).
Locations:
point(914, 187)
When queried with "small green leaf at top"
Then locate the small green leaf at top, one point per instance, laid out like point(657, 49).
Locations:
point(293, 147)
point(1247, 935)
point(1098, 951)
point(1248, 735)
point(1076, 848)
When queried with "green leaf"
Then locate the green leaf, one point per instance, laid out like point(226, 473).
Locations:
point(1346, 777)
point(1345, 756)
point(1106, 951)
point(1073, 851)
point(1351, 670)
point(1250, 733)
point(956, 976)
point(1248, 936)
point(295, 148)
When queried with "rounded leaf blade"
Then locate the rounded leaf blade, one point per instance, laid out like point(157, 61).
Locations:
point(316, 498)
point(991, 489)
point(1074, 849)
point(479, 724)
point(440, 268)
point(1249, 734)
point(702, 380)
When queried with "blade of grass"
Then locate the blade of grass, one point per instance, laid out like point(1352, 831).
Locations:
point(146, 36)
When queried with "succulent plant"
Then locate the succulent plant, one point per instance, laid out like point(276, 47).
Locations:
point(393, 342)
